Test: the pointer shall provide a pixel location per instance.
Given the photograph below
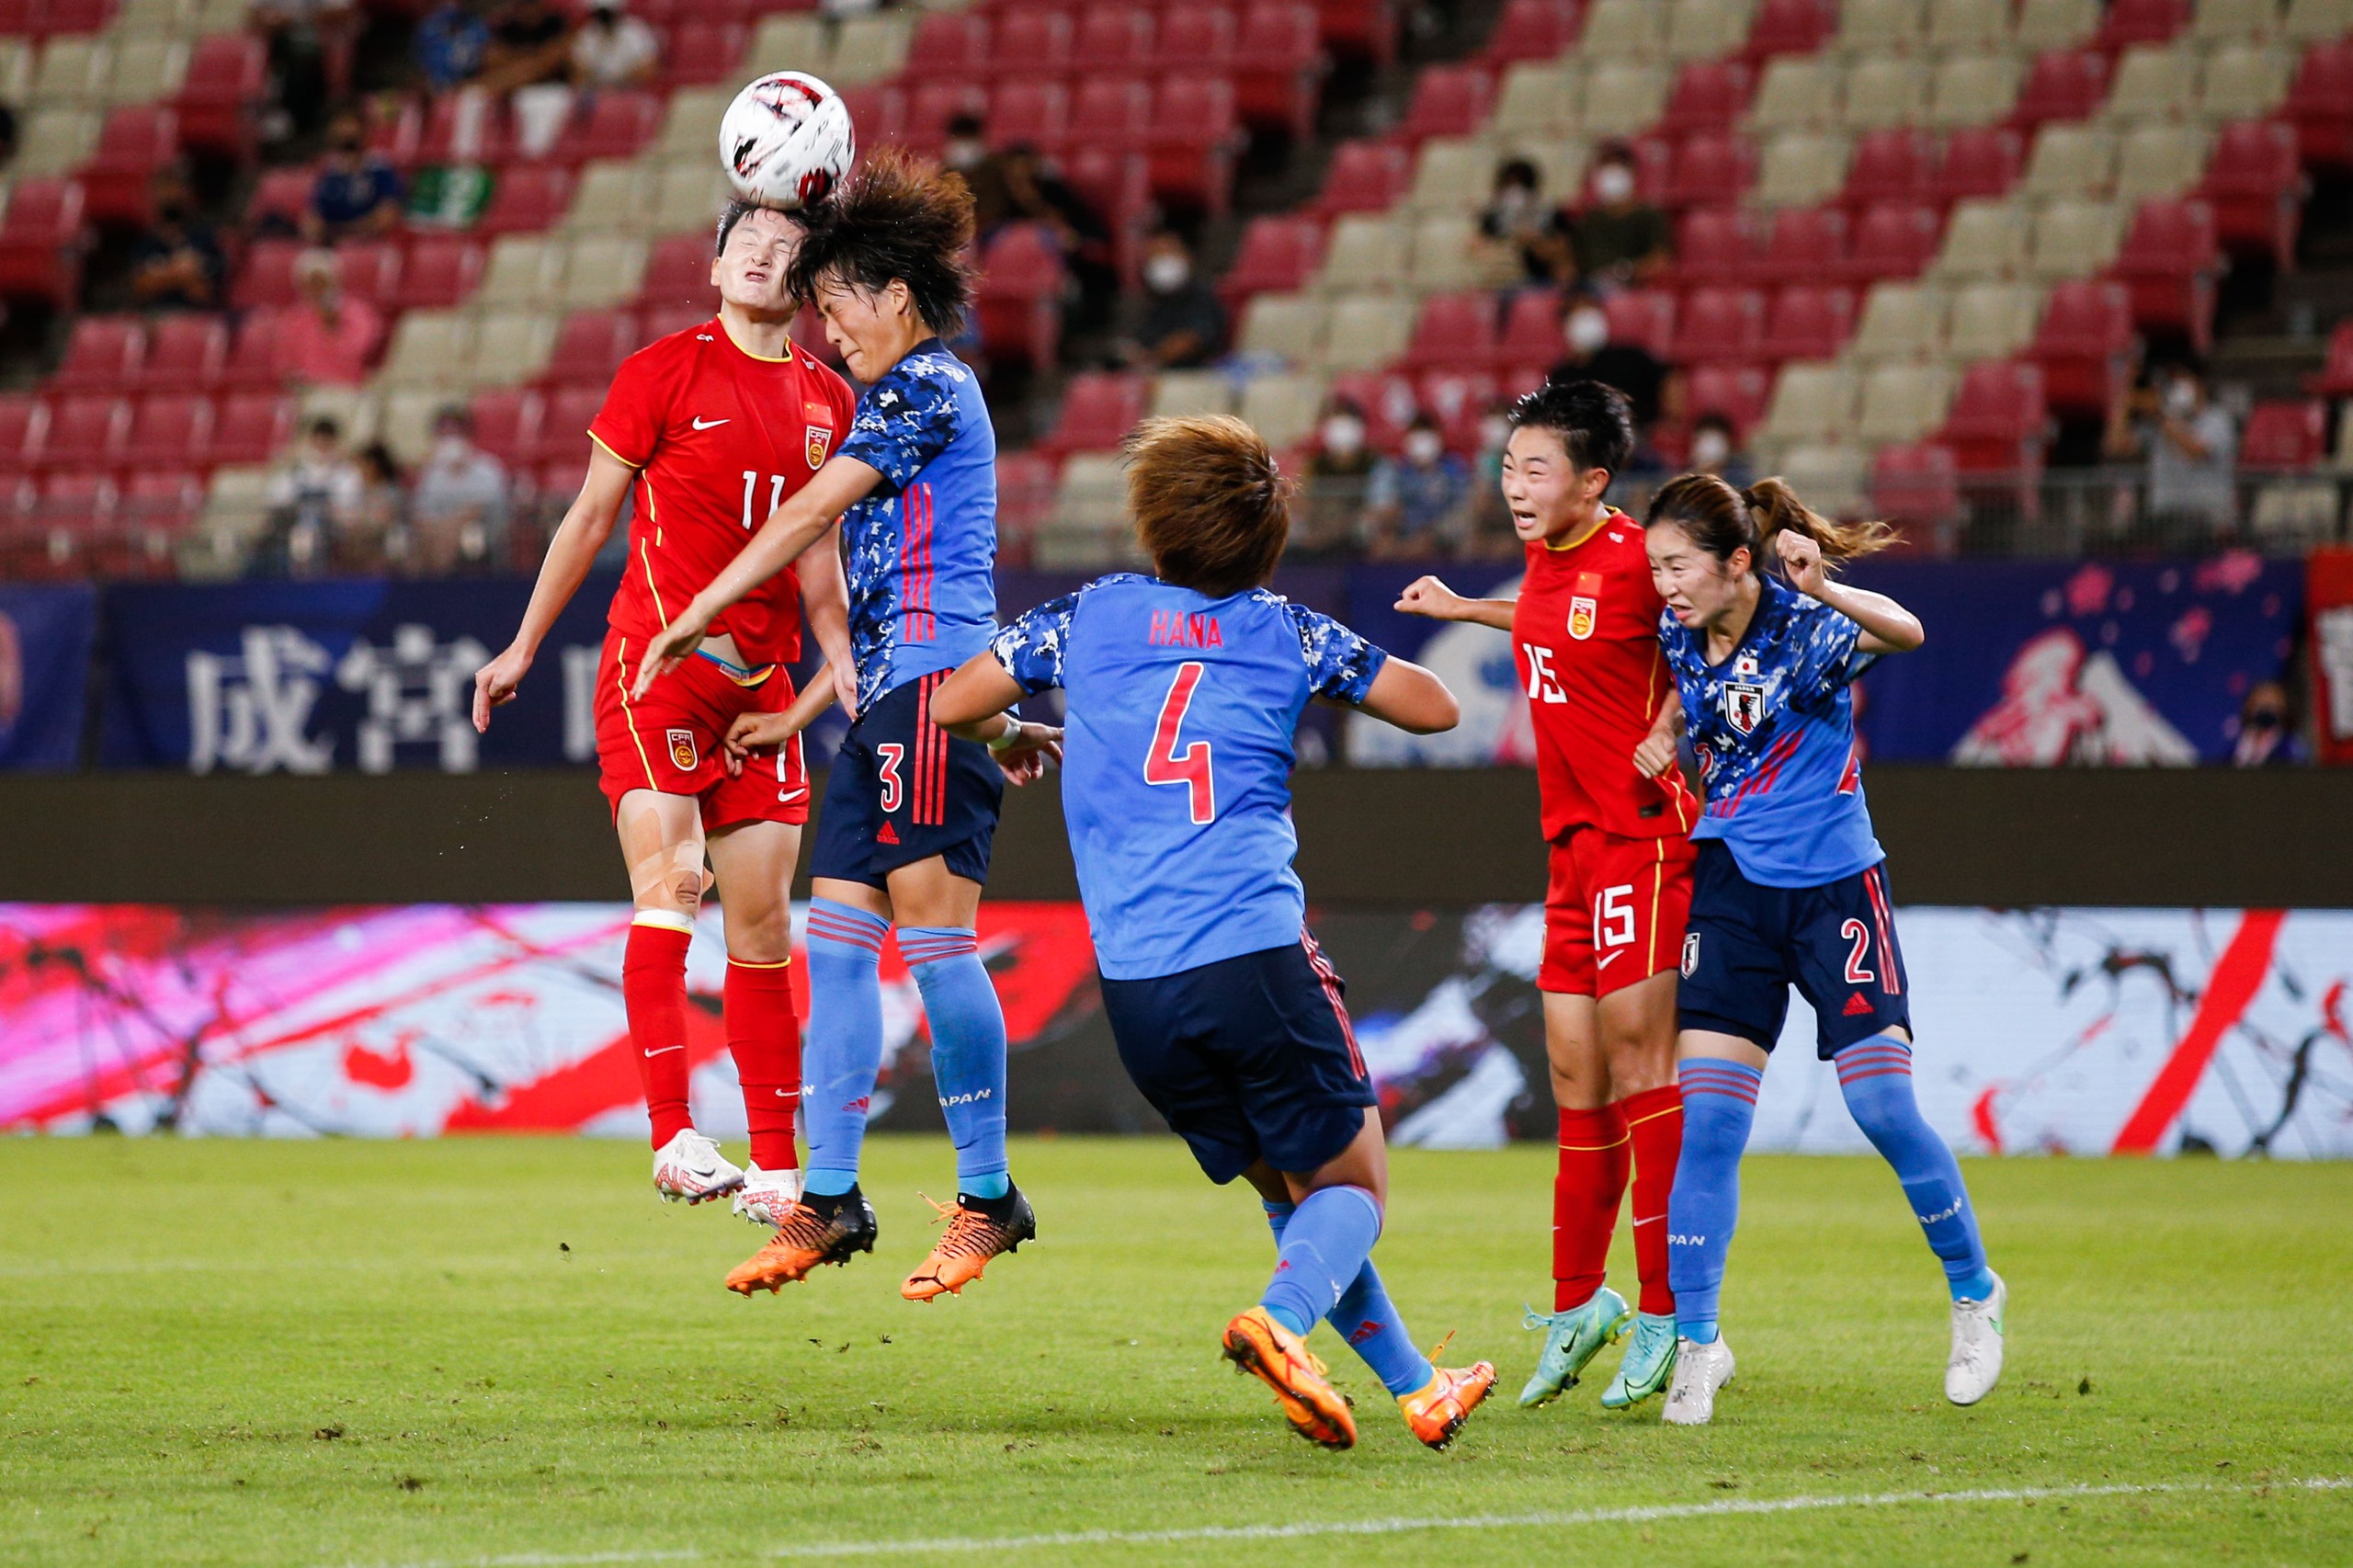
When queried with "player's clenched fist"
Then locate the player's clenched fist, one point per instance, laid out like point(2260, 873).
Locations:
point(494, 684)
point(1800, 558)
point(1428, 596)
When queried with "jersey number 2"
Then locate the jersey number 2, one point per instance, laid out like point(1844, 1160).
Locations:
point(1858, 934)
point(1167, 764)
point(776, 497)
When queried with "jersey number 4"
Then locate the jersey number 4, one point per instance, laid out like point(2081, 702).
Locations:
point(1190, 767)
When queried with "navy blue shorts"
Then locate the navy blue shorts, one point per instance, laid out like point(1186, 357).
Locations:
point(1248, 1058)
point(904, 790)
point(1747, 943)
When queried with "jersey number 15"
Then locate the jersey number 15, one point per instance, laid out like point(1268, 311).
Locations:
point(1165, 765)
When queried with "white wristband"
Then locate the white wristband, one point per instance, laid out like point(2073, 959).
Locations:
point(1003, 740)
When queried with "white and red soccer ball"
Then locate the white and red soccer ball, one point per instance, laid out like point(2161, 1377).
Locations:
point(786, 141)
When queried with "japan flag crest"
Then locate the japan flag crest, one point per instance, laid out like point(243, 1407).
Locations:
point(682, 749)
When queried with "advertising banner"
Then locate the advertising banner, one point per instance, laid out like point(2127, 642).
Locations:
point(2041, 1031)
point(45, 636)
point(2328, 596)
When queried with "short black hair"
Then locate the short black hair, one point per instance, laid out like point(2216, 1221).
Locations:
point(964, 123)
point(323, 425)
point(734, 212)
point(1520, 171)
point(1595, 422)
point(897, 219)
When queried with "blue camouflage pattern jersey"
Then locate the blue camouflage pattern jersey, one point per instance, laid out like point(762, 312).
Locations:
point(920, 548)
point(1177, 759)
point(1774, 728)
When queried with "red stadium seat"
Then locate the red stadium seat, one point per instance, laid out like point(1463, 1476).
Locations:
point(1892, 165)
point(1739, 392)
point(119, 179)
point(1020, 295)
point(1999, 422)
point(1791, 27)
point(74, 513)
point(1031, 42)
point(253, 362)
point(1111, 39)
point(158, 505)
point(506, 422)
point(1713, 245)
point(1454, 331)
point(42, 242)
point(1365, 177)
point(2065, 84)
point(878, 114)
point(561, 435)
point(185, 352)
point(2085, 347)
point(1642, 317)
point(617, 125)
point(1448, 100)
point(1709, 94)
point(1026, 488)
point(2336, 376)
point(1894, 240)
point(1194, 137)
point(2256, 188)
point(87, 430)
point(1718, 326)
point(1195, 37)
point(934, 103)
point(102, 354)
point(442, 272)
point(529, 197)
point(1114, 112)
point(1117, 184)
point(395, 129)
point(2129, 22)
point(1983, 162)
point(24, 422)
point(591, 347)
point(280, 196)
point(1533, 29)
point(227, 75)
point(951, 43)
point(1458, 400)
point(1278, 253)
point(1029, 111)
point(701, 53)
point(2171, 261)
point(658, 321)
point(449, 122)
point(2285, 433)
point(267, 279)
point(1387, 401)
point(1711, 168)
point(1360, 29)
point(1279, 67)
point(1806, 244)
point(1099, 407)
point(677, 272)
point(171, 429)
point(1917, 483)
point(63, 16)
point(372, 270)
point(1808, 321)
point(250, 428)
point(1531, 330)
point(2320, 104)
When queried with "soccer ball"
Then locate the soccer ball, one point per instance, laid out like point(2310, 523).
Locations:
point(786, 141)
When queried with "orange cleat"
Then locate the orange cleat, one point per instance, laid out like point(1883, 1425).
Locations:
point(1255, 1342)
point(805, 1240)
point(979, 1229)
point(1437, 1411)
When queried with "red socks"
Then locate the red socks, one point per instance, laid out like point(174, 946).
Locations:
point(1591, 1179)
point(653, 992)
point(1655, 1123)
point(764, 1034)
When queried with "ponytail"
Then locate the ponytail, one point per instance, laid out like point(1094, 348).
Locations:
point(1720, 520)
point(1777, 509)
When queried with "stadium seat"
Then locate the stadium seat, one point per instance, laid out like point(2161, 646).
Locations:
point(1902, 403)
point(158, 505)
point(2152, 82)
point(55, 142)
point(2316, 21)
point(1452, 173)
point(1366, 331)
point(2255, 185)
point(1916, 485)
point(1195, 37)
point(1708, 95)
point(590, 347)
point(508, 346)
point(1447, 253)
point(171, 429)
point(520, 270)
point(2170, 261)
point(1532, 30)
point(2285, 433)
point(1448, 100)
point(1279, 253)
point(1365, 177)
point(1884, 92)
point(1387, 401)
point(1807, 322)
point(395, 129)
point(1458, 400)
point(2320, 104)
point(1984, 238)
point(617, 125)
point(428, 347)
point(2225, 21)
point(1868, 29)
point(1365, 250)
point(1111, 39)
point(2130, 22)
point(1709, 168)
point(2085, 347)
point(1119, 186)
point(73, 513)
point(102, 354)
point(1990, 320)
point(147, 69)
point(1891, 240)
point(1805, 244)
point(1642, 317)
point(1791, 27)
point(1972, 89)
point(87, 430)
point(601, 269)
point(951, 43)
point(1193, 137)
point(187, 351)
point(252, 364)
point(24, 424)
point(1706, 29)
point(1980, 163)
point(1891, 165)
point(1539, 98)
point(2056, 24)
point(1737, 392)
point(701, 52)
point(1899, 320)
point(1999, 422)
point(2156, 162)
point(280, 197)
point(786, 42)
point(1019, 298)
point(529, 197)
point(565, 414)
point(1453, 330)
point(1110, 111)
point(119, 181)
point(1796, 92)
point(439, 271)
point(1281, 408)
point(1713, 246)
point(1801, 168)
point(2075, 238)
point(226, 76)
point(1179, 394)
point(1028, 110)
point(1287, 328)
point(866, 48)
point(1279, 60)
point(1531, 337)
point(71, 70)
point(2063, 85)
point(1099, 407)
point(251, 428)
point(1624, 29)
point(2242, 81)
point(506, 422)
point(686, 127)
point(1025, 482)
point(1624, 98)
point(933, 104)
point(1958, 25)
point(43, 242)
point(1813, 400)
point(1031, 43)
point(2070, 161)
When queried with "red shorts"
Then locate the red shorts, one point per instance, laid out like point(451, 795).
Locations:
point(1614, 911)
point(669, 742)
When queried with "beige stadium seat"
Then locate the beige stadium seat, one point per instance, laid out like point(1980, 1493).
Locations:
point(2154, 161)
point(1986, 238)
point(2069, 160)
point(1289, 327)
point(2295, 512)
point(219, 17)
point(1283, 409)
point(358, 412)
point(603, 269)
point(2235, 21)
point(1624, 29)
point(2055, 24)
point(408, 416)
point(2152, 81)
point(1366, 251)
point(1902, 403)
point(1367, 330)
point(1175, 393)
point(2317, 21)
point(70, 72)
point(612, 195)
point(153, 18)
point(1832, 478)
point(1901, 321)
point(1706, 29)
point(1973, 89)
point(1797, 92)
point(686, 195)
point(1448, 255)
point(691, 129)
point(429, 348)
point(1813, 400)
point(147, 68)
point(793, 41)
point(1560, 160)
point(2075, 239)
point(1885, 91)
point(1540, 98)
point(868, 48)
point(1801, 168)
point(1992, 321)
point(510, 346)
point(1969, 25)
point(523, 271)
point(236, 509)
point(1623, 99)
point(2242, 81)
point(1880, 27)
point(56, 141)
point(15, 69)
point(1455, 174)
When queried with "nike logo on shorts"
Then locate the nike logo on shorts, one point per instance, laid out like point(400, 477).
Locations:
point(709, 424)
point(791, 794)
point(1600, 964)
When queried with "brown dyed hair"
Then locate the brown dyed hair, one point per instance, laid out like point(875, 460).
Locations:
point(896, 220)
point(1211, 509)
point(1722, 519)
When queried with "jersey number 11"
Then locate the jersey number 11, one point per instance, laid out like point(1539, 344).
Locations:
point(1165, 764)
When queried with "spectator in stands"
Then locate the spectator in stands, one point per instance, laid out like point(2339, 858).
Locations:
point(613, 48)
point(313, 495)
point(1518, 219)
point(7, 135)
point(529, 58)
point(2267, 736)
point(1182, 325)
point(1414, 507)
point(1618, 240)
point(2191, 444)
point(310, 44)
point(1486, 520)
point(450, 44)
point(457, 511)
point(328, 338)
point(1035, 193)
point(179, 262)
point(1628, 366)
point(1339, 468)
point(375, 532)
point(1715, 449)
point(358, 193)
point(967, 151)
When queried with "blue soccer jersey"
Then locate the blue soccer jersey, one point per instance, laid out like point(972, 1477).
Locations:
point(1774, 727)
point(1177, 759)
point(920, 549)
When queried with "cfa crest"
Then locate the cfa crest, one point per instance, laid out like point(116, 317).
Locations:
point(821, 438)
point(1744, 706)
point(682, 749)
point(1583, 613)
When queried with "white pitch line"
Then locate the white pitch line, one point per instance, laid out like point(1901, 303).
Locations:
point(1639, 1513)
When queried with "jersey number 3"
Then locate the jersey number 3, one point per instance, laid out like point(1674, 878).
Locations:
point(1165, 764)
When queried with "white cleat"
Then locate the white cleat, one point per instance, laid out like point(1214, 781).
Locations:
point(691, 1167)
point(766, 1197)
point(1976, 1363)
point(1700, 1371)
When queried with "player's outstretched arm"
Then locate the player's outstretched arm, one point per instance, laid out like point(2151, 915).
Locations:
point(1428, 596)
point(970, 705)
point(1409, 697)
point(585, 527)
point(1888, 627)
point(790, 529)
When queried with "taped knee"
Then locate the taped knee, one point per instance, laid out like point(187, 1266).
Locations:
point(672, 878)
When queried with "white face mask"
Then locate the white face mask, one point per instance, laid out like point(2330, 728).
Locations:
point(1513, 200)
point(2181, 399)
point(449, 451)
point(1164, 274)
point(1709, 449)
point(1588, 329)
point(1343, 434)
point(1494, 432)
point(1424, 448)
point(963, 152)
point(1613, 182)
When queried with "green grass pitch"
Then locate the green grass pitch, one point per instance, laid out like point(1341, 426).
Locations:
point(384, 1353)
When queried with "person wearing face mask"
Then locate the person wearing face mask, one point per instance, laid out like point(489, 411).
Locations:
point(1338, 468)
point(1715, 450)
point(1182, 325)
point(314, 495)
point(1618, 240)
point(1486, 520)
point(2191, 446)
point(1413, 507)
point(180, 261)
point(326, 340)
point(1517, 217)
point(967, 151)
point(1592, 357)
point(459, 508)
point(358, 193)
point(613, 48)
point(2267, 735)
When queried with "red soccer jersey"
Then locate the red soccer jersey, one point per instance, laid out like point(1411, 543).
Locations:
point(1586, 639)
point(719, 437)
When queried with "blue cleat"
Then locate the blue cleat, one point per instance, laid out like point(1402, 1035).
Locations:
point(1649, 1362)
point(1571, 1340)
